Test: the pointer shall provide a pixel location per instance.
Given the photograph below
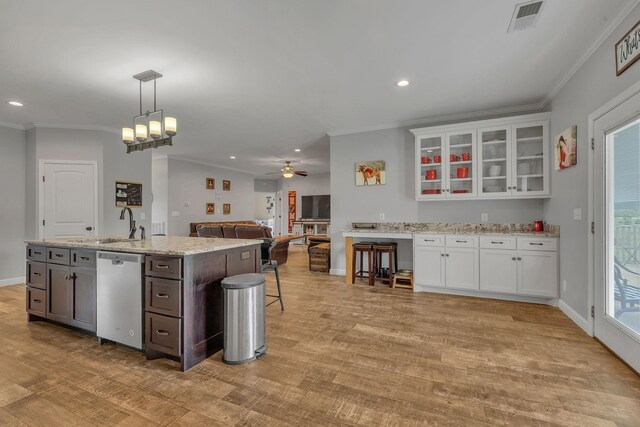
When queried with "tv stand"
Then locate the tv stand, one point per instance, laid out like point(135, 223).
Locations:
point(311, 227)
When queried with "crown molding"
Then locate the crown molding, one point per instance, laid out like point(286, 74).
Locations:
point(100, 128)
point(443, 119)
point(613, 25)
point(12, 125)
point(200, 162)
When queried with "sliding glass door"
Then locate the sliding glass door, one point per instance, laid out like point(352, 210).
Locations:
point(617, 230)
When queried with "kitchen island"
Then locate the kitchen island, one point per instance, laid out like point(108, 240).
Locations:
point(182, 300)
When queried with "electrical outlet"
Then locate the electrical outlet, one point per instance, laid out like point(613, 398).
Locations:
point(577, 214)
point(187, 204)
point(142, 215)
point(381, 216)
point(564, 286)
point(175, 213)
point(484, 217)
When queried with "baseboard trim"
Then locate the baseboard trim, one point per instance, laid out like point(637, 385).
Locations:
point(14, 281)
point(481, 294)
point(575, 317)
point(338, 272)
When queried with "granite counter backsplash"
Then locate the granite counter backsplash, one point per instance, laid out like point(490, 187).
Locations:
point(461, 228)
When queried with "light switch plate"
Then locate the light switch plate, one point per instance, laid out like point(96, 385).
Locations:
point(175, 213)
point(142, 215)
point(577, 214)
point(484, 217)
point(187, 204)
point(381, 216)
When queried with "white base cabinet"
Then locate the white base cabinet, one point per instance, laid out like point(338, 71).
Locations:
point(524, 266)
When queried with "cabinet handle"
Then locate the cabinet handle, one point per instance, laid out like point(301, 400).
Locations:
point(461, 241)
point(447, 254)
point(58, 255)
point(536, 244)
point(429, 240)
point(514, 258)
point(161, 332)
point(442, 255)
point(519, 259)
point(497, 243)
point(37, 300)
point(162, 266)
point(37, 253)
point(36, 274)
point(162, 295)
point(84, 258)
point(70, 276)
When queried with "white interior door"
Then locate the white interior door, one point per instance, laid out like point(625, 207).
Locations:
point(69, 199)
point(616, 171)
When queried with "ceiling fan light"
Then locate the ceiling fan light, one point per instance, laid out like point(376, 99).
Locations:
point(170, 126)
point(127, 135)
point(141, 133)
point(287, 174)
point(155, 129)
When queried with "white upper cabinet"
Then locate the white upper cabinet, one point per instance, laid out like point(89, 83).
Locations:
point(496, 159)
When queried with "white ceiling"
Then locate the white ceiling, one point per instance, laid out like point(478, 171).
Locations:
point(257, 79)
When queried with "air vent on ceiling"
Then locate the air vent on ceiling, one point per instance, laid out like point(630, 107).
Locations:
point(525, 15)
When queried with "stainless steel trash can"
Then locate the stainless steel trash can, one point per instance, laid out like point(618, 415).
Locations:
point(244, 318)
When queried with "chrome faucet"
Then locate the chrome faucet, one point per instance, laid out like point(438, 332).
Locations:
point(132, 223)
point(143, 234)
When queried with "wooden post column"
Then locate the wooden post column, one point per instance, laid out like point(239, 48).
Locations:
point(348, 251)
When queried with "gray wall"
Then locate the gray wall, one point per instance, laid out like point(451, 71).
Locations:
point(160, 190)
point(266, 185)
point(12, 211)
point(396, 199)
point(187, 185)
point(591, 87)
point(113, 164)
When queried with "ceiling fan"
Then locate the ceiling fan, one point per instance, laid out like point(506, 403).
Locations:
point(287, 171)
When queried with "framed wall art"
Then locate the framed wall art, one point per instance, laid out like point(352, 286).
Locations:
point(210, 184)
point(226, 209)
point(211, 208)
point(226, 185)
point(370, 173)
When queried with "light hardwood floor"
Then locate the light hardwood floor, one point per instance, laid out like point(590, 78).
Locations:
point(339, 354)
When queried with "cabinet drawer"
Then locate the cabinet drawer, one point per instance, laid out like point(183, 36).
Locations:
point(83, 258)
point(37, 274)
point(36, 301)
point(160, 266)
point(462, 241)
point(164, 334)
point(58, 256)
point(497, 242)
point(164, 296)
point(428, 240)
point(37, 253)
point(533, 244)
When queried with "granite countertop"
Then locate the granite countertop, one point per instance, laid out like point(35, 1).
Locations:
point(154, 245)
point(458, 228)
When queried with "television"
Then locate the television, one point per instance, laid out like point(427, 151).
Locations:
point(316, 207)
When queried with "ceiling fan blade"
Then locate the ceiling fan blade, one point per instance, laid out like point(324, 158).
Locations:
point(273, 173)
point(301, 173)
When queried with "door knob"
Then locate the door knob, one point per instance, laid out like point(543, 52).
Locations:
point(89, 228)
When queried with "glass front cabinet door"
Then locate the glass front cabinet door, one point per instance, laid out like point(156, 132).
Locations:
point(460, 173)
point(530, 168)
point(429, 155)
point(494, 161)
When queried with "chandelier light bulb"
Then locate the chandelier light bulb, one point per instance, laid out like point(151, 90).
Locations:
point(141, 133)
point(170, 126)
point(127, 135)
point(155, 129)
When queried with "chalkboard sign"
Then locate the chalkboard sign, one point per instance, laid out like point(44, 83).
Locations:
point(128, 194)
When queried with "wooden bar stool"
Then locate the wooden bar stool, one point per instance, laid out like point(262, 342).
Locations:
point(361, 248)
point(379, 249)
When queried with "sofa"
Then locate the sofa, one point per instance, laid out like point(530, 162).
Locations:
point(245, 230)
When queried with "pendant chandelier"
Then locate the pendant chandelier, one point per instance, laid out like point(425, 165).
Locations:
point(151, 129)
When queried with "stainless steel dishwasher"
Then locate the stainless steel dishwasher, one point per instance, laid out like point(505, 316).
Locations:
point(120, 290)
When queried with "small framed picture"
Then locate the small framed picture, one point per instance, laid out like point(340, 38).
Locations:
point(211, 208)
point(211, 184)
point(226, 209)
point(226, 185)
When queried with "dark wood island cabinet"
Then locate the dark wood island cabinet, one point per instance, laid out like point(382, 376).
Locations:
point(183, 299)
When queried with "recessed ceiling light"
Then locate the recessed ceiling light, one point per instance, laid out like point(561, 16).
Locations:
point(297, 150)
point(16, 103)
point(232, 157)
point(402, 83)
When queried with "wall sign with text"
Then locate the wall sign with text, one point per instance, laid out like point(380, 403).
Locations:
point(628, 49)
point(128, 194)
